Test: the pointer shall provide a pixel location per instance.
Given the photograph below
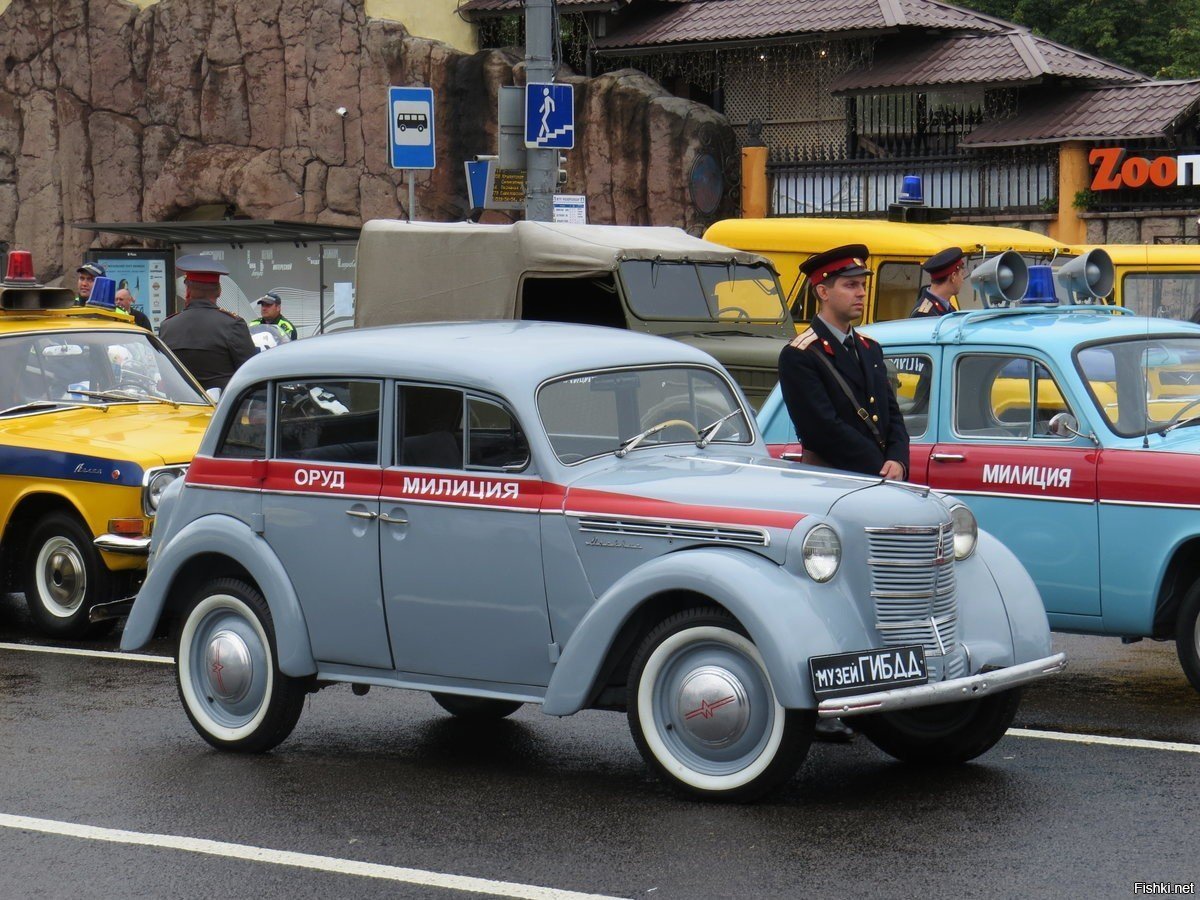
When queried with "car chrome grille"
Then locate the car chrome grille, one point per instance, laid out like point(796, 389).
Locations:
point(691, 531)
point(913, 586)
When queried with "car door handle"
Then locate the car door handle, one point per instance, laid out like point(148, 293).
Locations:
point(392, 520)
point(947, 457)
point(792, 457)
point(362, 514)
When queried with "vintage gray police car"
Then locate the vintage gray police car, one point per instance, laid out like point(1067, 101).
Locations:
point(512, 512)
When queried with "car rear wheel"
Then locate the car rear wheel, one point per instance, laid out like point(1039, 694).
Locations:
point(227, 672)
point(1187, 635)
point(945, 734)
point(704, 714)
point(64, 577)
point(478, 708)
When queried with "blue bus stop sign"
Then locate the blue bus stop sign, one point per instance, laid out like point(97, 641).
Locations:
point(410, 125)
point(550, 116)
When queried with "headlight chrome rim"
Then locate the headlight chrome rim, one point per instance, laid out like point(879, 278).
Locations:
point(155, 482)
point(822, 550)
point(966, 531)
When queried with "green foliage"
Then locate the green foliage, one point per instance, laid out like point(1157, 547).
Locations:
point(1157, 37)
point(1085, 199)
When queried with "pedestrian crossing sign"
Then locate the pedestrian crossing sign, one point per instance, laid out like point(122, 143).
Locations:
point(550, 116)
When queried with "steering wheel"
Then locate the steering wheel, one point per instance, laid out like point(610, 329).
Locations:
point(1179, 415)
point(136, 381)
point(737, 309)
point(671, 423)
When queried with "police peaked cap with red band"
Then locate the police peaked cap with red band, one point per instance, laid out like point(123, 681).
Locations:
point(839, 262)
point(201, 269)
point(942, 264)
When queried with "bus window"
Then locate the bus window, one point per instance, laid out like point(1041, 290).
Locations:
point(1169, 295)
point(896, 288)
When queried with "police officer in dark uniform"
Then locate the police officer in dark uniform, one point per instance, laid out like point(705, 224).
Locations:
point(87, 275)
point(210, 341)
point(834, 381)
point(946, 272)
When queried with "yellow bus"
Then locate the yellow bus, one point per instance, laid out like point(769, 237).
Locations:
point(1156, 279)
point(897, 251)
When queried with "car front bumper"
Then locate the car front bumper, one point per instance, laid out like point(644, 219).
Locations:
point(119, 543)
point(955, 690)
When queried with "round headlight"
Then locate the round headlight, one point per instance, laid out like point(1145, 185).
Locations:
point(822, 553)
point(966, 531)
point(157, 485)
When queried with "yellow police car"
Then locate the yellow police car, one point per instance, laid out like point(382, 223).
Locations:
point(96, 419)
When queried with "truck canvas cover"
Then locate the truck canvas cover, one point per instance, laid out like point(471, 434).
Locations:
point(423, 272)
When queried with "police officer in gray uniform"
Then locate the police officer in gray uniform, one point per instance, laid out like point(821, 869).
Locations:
point(210, 341)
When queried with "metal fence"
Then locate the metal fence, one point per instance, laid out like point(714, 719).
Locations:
point(981, 183)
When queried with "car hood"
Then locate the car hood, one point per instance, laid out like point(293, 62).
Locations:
point(700, 485)
point(148, 434)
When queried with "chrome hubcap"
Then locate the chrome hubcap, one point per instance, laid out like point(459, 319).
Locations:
point(712, 706)
point(62, 578)
point(229, 666)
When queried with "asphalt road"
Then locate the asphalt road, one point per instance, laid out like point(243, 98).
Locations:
point(567, 805)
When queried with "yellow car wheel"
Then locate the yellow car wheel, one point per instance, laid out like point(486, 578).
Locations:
point(64, 577)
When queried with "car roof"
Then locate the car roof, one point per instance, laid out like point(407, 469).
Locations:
point(882, 238)
point(491, 356)
point(1043, 328)
point(74, 319)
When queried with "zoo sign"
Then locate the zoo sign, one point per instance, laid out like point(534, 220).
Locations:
point(1115, 170)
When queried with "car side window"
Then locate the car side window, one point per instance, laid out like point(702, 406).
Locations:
point(245, 434)
point(328, 420)
point(911, 378)
point(1005, 396)
point(429, 427)
point(494, 439)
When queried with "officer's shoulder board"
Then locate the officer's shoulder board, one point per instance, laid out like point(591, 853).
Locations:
point(925, 307)
point(230, 313)
point(804, 340)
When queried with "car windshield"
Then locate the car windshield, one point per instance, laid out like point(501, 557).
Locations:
point(1145, 384)
point(702, 292)
point(77, 368)
point(588, 415)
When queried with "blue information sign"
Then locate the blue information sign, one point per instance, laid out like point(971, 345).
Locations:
point(410, 125)
point(550, 116)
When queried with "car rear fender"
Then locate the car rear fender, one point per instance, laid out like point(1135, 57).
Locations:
point(772, 605)
point(224, 536)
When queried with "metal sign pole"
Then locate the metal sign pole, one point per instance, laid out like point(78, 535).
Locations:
point(541, 165)
point(412, 196)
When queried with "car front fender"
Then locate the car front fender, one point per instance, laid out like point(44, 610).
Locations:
point(229, 537)
point(1019, 596)
point(773, 605)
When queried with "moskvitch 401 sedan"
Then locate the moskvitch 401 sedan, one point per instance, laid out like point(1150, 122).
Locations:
point(1075, 434)
point(578, 517)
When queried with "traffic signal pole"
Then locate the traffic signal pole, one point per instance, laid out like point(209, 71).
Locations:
point(541, 166)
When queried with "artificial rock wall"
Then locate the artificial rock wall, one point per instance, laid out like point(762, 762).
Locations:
point(111, 113)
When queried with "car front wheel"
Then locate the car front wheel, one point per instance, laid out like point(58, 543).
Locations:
point(227, 674)
point(704, 714)
point(64, 577)
point(945, 734)
point(1187, 635)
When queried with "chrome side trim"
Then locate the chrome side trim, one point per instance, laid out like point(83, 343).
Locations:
point(1150, 503)
point(958, 493)
point(954, 691)
point(119, 543)
point(671, 528)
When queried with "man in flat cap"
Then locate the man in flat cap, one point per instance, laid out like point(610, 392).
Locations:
point(946, 272)
point(834, 381)
point(210, 341)
point(87, 275)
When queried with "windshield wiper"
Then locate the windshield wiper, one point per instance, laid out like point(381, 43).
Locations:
point(37, 404)
point(1190, 420)
point(706, 434)
point(630, 443)
point(120, 396)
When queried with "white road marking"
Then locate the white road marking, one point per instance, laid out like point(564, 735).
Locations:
point(1136, 743)
point(100, 654)
point(297, 860)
